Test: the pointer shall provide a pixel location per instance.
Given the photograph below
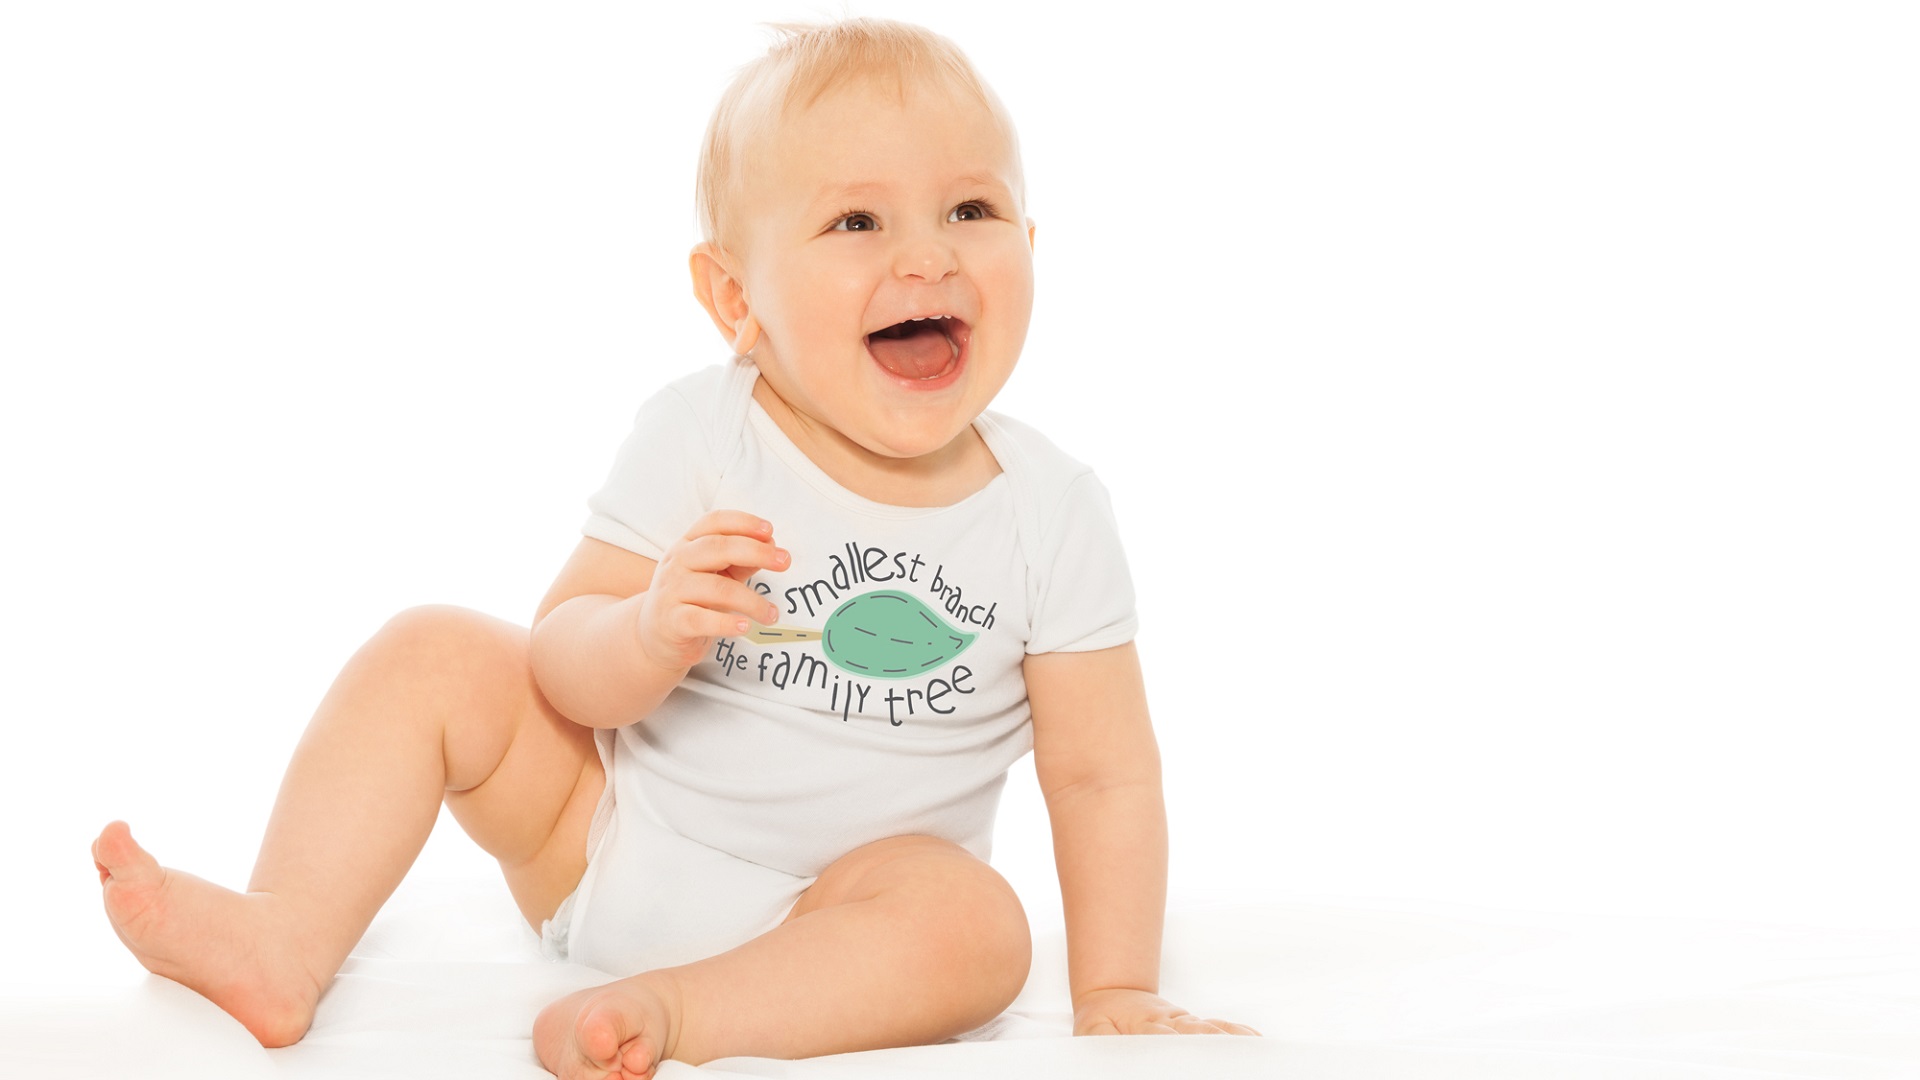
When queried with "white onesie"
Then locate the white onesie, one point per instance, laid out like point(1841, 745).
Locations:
point(887, 699)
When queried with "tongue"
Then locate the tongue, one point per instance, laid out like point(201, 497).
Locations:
point(922, 352)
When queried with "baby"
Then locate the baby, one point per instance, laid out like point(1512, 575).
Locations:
point(750, 753)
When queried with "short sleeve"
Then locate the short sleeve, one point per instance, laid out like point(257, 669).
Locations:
point(1085, 597)
point(660, 482)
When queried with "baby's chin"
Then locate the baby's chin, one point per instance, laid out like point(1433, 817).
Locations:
point(911, 442)
point(908, 433)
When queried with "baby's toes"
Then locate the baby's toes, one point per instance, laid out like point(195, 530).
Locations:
point(638, 1061)
point(574, 1043)
point(599, 1033)
point(131, 878)
point(611, 1037)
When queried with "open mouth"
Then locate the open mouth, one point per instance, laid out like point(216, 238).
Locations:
point(925, 351)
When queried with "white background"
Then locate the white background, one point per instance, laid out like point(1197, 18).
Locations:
point(1511, 409)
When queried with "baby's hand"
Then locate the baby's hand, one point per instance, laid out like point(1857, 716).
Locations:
point(1136, 1012)
point(699, 590)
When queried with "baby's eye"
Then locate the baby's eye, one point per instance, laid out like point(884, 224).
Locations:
point(979, 209)
point(852, 216)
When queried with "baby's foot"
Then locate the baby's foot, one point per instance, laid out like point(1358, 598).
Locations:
point(622, 1031)
point(229, 947)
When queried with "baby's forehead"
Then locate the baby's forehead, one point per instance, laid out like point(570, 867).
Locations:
point(790, 143)
point(794, 130)
point(871, 94)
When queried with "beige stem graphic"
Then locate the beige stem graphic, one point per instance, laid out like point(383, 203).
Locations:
point(768, 635)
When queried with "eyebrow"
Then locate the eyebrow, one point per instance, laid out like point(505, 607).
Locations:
point(859, 188)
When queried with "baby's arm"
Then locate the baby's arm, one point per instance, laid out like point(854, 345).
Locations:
point(1099, 769)
point(618, 631)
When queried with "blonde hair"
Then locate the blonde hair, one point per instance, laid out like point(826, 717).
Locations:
point(806, 62)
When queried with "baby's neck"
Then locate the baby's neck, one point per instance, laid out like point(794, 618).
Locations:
point(941, 478)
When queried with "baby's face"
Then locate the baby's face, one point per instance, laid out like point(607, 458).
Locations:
point(860, 215)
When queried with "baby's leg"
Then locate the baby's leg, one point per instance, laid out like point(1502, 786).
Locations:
point(906, 941)
point(440, 703)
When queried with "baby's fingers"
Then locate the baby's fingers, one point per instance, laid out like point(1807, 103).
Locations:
point(689, 623)
point(731, 523)
point(1153, 1027)
point(1234, 1029)
point(729, 554)
point(723, 596)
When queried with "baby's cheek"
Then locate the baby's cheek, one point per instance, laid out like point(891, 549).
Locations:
point(1011, 277)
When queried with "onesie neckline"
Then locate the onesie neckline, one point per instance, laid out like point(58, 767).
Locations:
point(796, 459)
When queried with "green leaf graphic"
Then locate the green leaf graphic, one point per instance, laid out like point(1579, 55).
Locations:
point(890, 635)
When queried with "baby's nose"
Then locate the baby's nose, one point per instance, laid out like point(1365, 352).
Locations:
point(927, 258)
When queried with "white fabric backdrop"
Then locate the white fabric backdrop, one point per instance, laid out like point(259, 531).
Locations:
point(1511, 410)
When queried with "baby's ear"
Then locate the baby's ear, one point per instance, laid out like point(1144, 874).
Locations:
point(724, 297)
point(1030, 228)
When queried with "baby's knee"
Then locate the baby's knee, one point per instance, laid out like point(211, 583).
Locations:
point(968, 920)
point(984, 929)
point(438, 665)
point(445, 640)
point(1003, 939)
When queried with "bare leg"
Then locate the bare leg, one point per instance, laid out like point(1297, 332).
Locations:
point(906, 941)
point(439, 704)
